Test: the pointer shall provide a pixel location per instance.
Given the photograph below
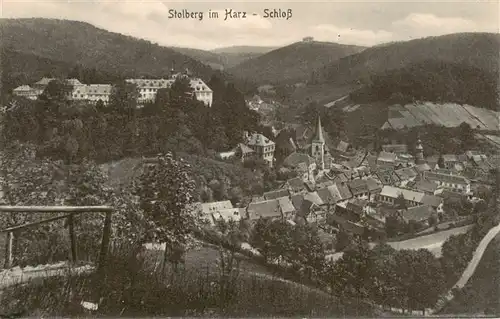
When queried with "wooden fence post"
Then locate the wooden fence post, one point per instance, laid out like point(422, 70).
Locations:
point(8, 250)
point(72, 236)
point(106, 235)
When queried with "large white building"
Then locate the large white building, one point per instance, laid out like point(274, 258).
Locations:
point(95, 92)
point(80, 91)
point(27, 92)
point(149, 87)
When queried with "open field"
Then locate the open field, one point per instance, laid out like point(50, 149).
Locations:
point(322, 93)
point(205, 258)
point(448, 115)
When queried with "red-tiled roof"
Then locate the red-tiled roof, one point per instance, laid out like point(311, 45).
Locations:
point(265, 209)
point(276, 194)
point(419, 213)
point(343, 190)
point(294, 159)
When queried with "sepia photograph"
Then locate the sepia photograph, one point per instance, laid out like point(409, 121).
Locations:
point(249, 159)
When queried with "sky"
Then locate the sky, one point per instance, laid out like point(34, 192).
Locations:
point(354, 22)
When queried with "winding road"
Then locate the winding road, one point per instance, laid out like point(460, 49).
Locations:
point(471, 267)
point(431, 242)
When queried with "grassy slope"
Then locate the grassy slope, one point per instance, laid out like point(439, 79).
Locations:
point(292, 63)
point(195, 288)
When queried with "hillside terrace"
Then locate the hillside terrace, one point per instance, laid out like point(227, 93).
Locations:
point(448, 115)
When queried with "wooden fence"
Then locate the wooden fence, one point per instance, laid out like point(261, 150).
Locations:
point(71, 213)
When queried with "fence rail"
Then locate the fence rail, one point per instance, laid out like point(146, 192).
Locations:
point(71, 211)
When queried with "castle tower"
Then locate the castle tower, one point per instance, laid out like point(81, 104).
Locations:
point(419, 156)
point(318, 146)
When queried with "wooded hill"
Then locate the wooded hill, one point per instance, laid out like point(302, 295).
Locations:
point(479, 50)
point(223, 58)
point(292, 63)
point(454, 68)
point(46, 46)
point(433, 81)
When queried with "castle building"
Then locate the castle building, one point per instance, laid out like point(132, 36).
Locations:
point(149, 87)
point(79, 92)
point(27, 92)
point(102, 92)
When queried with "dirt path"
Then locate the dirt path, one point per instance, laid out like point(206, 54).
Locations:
point(471, 267)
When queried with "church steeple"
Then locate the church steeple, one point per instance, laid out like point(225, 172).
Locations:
point(318, 146)
point(319, 132)
point(419, 153)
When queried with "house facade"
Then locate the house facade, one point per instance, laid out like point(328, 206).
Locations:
point(263, 147)
point(389, 194)
point(451, 182)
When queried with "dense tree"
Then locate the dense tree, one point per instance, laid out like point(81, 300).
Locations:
point(456, 253)
point(466, 135)
point(400, 202)
point(56, 91)
point(228, 263)
point(385, 289)
point(349, 277)
point(440, 162)
point(344, 239)
point(420, 277)
point(311, 113)
point(166, 193)
point(307, 249)
point(393, 226)
point(273, 239)
point(123, 98)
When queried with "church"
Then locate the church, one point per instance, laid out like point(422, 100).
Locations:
point(313, 158)
point(319, 150)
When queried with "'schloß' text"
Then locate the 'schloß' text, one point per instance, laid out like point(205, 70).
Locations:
point(278, 13)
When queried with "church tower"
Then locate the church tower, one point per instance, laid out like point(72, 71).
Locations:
point(419, 158)
point(318, 146)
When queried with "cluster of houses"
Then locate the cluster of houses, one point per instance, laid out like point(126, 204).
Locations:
point(101, 92)
point(355, 189)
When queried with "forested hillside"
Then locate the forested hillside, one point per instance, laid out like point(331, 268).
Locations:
point(293, 62)
point(51, 47)
point(433, 81)
point(477, 50)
